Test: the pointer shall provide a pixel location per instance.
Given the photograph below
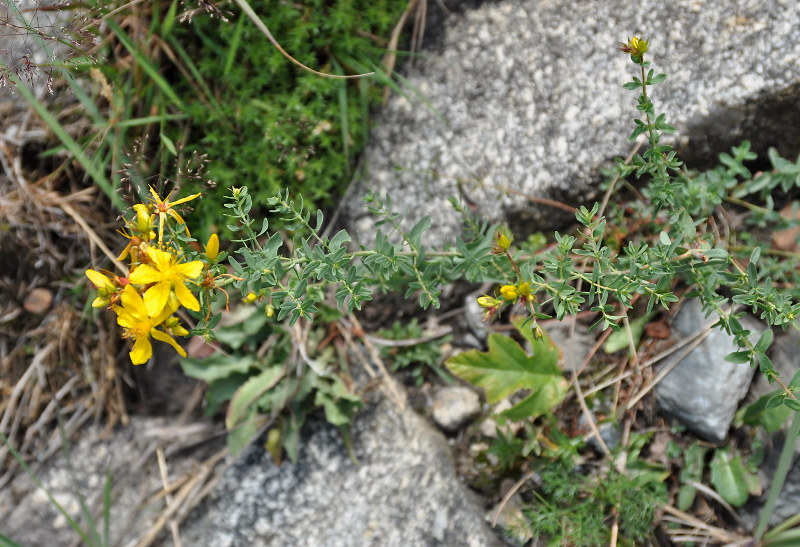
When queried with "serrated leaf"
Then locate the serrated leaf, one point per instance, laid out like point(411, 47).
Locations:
point(728, 477)
point(506, 368)
point(249, 393)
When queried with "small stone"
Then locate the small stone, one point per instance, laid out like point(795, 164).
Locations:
point(454, 406)
point(703, 390)
point(609, 432)
point(474, 313)
point(38, 300)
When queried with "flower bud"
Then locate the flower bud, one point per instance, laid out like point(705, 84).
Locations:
point(212, 247)
point(509, 292)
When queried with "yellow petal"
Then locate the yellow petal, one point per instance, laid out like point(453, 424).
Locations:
point(186, 297)
point(189, 269)
point(132, 303)
point(155, 195)
point(184, 200)
point(124, 252)
point(101, 302)
point(164, 337)
point(155, 299)
point(100, 281)
point(125, 319)
point(144, 274)
point(142, 351)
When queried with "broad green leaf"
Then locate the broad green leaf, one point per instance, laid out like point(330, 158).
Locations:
point(686, 495)
point(217, 366)
point(250, 392)
point(772, 419)
point(693, 463)
point(506, 368)
point(243, 433)
point(728, 477)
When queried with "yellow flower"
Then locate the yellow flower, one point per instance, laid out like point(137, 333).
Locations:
point(509, 292)
point(636, 47)
point(106, 289)
point(165, 207)
point(269, 310)
point(212, 247)
point(491, 305)
point(250, 298)
point(138, 325)
point(502, 241)
point(167, 275)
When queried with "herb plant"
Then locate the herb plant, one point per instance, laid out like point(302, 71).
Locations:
point(676, 247)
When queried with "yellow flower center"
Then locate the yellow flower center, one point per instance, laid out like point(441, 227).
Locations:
point(140, 330)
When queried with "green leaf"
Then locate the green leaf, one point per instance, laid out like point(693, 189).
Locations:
point(656, 79)
point(217, 366)
point(506, 367)
point(794, 404)
point(795, 383)
point(250, 392)
point(729, 478)
point(241, 435)
point(755, 255)
point(686, 496)
point(738, 357)
point(764, 342)
point(168, 144)
point(771, 419)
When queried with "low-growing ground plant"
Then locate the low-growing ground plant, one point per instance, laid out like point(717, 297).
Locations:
point(676, 249)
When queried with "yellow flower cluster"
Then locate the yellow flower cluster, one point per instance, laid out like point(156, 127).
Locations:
point(155, 288)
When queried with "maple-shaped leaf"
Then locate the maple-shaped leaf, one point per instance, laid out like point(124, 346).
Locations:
point(506, 368)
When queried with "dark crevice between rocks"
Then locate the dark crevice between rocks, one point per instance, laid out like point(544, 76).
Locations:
point(766, 121)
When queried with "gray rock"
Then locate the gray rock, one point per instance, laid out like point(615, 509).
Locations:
point(574, 346)
point(455, 406)
point(474, 313)
point(609, 431)
point(403, 491)
point(128, 454)
point(704, 390)
point(527, 96)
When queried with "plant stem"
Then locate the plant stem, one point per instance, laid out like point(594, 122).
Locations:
point(784, 462)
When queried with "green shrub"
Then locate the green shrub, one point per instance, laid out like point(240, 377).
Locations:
point(270, 125)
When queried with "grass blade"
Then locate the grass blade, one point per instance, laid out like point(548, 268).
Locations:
point(784, 462)
point(74, 525)
point(145, 64)
point(70, 144)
